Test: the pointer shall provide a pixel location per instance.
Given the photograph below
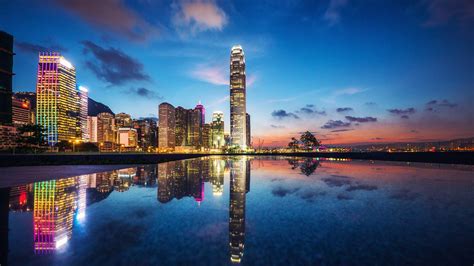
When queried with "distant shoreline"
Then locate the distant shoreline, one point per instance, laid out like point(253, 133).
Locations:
point(8, 160)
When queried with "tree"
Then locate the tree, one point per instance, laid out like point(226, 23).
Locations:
point(309, 140)
point(31, 137)
point(293, 144)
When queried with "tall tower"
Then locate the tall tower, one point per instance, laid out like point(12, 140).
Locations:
point(217, 130)
point(167, 124)
point(57, 108)
point(237, 98)
point(83, 111)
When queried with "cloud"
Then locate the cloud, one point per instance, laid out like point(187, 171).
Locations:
point(405, 117)
point(144, 92)
point(110, 15)
point(348, 91)
point(199, 16)
point(277, 126)
point(344, 109)
point(435, 105)
point(333, 12)
point(219, 101)
point(406, 111)
point(309, 109)
point(280, 114)
point(331, 124)
point(113, 65)
point(361, 187)
point(361, 119)
point(36, 48)
point(213, 75)
point(341, 130)
point(282, 191)
point(444, 11)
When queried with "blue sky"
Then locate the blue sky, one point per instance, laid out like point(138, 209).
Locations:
point(397, 70)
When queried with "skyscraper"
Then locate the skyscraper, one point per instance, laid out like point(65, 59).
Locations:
point(83, 107)
point(247, 130)
point(57, 99)
point(6, 75)
point(123, 120)
point(237, 98)
point(195, 128)
point(200, 107)
point(217, 130)
point(181, 120)
point(106, 130)
point(167, 124)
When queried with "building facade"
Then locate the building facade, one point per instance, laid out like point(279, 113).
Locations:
point(57, 108)
point(6, 77)
point(181, 129)
point(106, 129)
point(248, 137)
point(217, 130)
point(92, 127)
point(123, 120)
point(127, 137)
point(83, 108)
point(21, 111)
point(237, 98)
point(167, 124)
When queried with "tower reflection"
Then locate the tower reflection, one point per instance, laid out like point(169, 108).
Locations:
point(239, 186)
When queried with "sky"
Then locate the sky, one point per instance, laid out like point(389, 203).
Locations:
point(349, 71)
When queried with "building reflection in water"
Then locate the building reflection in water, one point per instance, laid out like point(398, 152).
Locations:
point(53, 211)
point(239, 186)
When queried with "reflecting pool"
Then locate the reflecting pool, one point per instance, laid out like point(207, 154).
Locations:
point(244, 210)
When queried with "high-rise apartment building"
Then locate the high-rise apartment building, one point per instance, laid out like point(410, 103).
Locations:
point(217, 130)
point(83, 108)
point(123, 120)
point(201, 108)
point(127, 137)
point(167, 124)
point(237, 98)
point(57, 99)
point(195, 128)
point(92, 128)
point(6, 76)
point(181, 130)
point(21, 111)
point(106, 128)
point(206, 136)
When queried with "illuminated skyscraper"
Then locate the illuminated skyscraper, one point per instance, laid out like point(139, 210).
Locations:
point(247, 130)
point(217, 130)
point(200, 107)
point(57, 99)
point(167, 124)
point(83, 107)
point(106, 130)
point(206, 136)
point(195, 128)
point(238, 187)
point(181, 129)
point(237, 98)
point(6, 75)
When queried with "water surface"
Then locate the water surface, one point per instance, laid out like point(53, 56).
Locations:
point(254, 211)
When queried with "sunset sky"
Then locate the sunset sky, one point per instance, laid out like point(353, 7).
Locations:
point(350, 71)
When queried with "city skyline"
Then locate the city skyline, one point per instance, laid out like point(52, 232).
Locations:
point(408, 77)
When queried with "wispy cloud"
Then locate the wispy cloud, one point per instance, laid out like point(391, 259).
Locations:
point(348, 91)
point(214, 75)
point(406, 111)
point(332, 124)
point(199, 16)
point(333, 12)
point(36, 48)
point(280, 114)
point(309, 109)
point(444, 11)
point(361, 119)
point(145, 93)
point(111, 15)
point(218, 101)
point(344, 109)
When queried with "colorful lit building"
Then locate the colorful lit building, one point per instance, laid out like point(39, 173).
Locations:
point(21, 111)
point(237, 98)
point(53, 213)
point(83, 109)
point(57, 99)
